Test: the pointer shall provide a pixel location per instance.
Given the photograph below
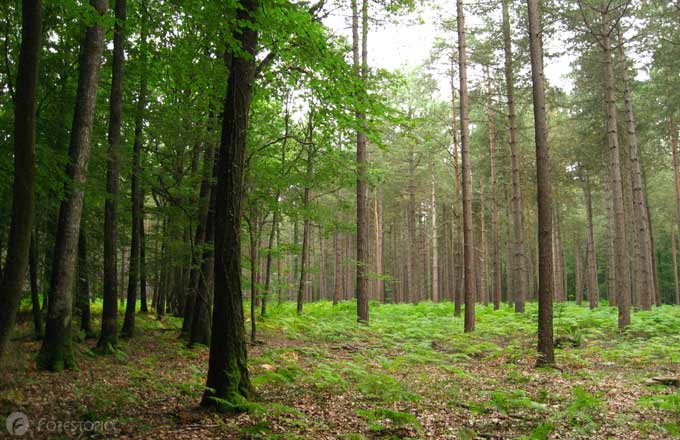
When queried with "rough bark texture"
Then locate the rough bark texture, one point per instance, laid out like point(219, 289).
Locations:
point(83, 286)
point(468, 239)
point(623, 285)
point(546, 354)
point(518, 264)
point(56, 352)
point(23, 201)
point(228, 381)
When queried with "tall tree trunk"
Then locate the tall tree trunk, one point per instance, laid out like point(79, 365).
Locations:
point(109, 328)
point(337, 264)
point(228, 381)
point(56, 352)
point(268, 269)
point(496, 284)
point(33, 271)
point(200, 322)
point(254, 234)
point(468, 239)
point(612, 273)
point(676, 166)
point(137, 201)
point(435, 250)
point(306, 230)
point(674, 251)
point(519, 262)
point(379, 257)
point(546, 354)
point(645, 287)
point(483, 250)
point(362, 176)
point(623, 286)
point(592, 285)
point(510, 245)
point(411, 226)
point(578, 271)
point(457, 203)
point(143, 308)
point(83, 285)
point(23, 202)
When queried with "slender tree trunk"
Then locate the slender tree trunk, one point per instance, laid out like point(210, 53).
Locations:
point(435, 250)
point(546, 354)
point(362, 176)
point(337, 264)
point(676, 166)
point(509, 266)
point(483, 250)
point(578, 271)
point(496, 276)
point(83, 285)
point(519, 263)
point(268, 270)
point(23, 202)
point(592, 285)
point(612, 273)
point(379, 257)
point(200, 322)
point(142, 260)
point(674, 250)
point(411, 227)
point(33, 271)
point(109, 329)
point(468, 239)
point(56, 352)
point(228, 379)
point(457, 203)
point(254, 234)
point(623, 286)
point(645, 289)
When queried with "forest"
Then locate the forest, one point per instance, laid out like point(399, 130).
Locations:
point(238, 220)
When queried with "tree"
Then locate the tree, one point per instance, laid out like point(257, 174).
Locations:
point(228, 382)
point(108, 338)
point(468, 239)
point(546, 354)
point(14, 275)
point(56, 352)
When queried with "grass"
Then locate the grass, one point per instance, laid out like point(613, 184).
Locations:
point(412, 373)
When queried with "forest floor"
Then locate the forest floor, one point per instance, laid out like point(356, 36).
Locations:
point(411, 374)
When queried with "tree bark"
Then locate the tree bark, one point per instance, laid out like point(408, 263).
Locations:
point(23, 202)
point(435, 250)
point(468, 239)
point(519, 264)
point(109, 328)
point(228, 381)
point(546, 354)
point(623, 285)
point(362, 171)
point(457, 203)
point(578, 272)
point(83, 285)
point(496, 284)
point(592, 285)
point(56, 352)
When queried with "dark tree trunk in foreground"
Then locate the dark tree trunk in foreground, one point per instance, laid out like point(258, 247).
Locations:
point(518, 265)
point(228, 382)
point(56, 352)
point(142, 260)
point(83, 286)
point(468, 239)
point(362, 174)
point(109, 332)
point(546, 354)
point(24, 170)
point(266, 295)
